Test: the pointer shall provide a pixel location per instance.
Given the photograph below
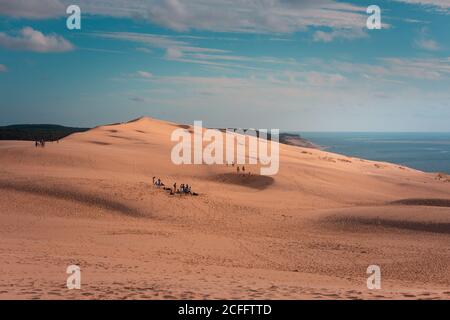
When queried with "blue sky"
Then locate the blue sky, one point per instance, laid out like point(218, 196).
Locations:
point(295, 65)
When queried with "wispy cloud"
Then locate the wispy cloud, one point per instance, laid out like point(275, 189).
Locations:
point(265, 16)
point(34, 9)
point(396, 68)
point(29, 39)
point(443, 5)
point(144, 74)
point(173, 53)
point(143, 49)
point(426, 69)
point(157, 41)
point(254, 16)
point(425, 42)
point(183, 51)
point(345, 34)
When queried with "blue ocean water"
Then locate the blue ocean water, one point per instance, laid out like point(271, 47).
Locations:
point(424, 151)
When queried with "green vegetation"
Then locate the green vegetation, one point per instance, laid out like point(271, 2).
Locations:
point(33, 132)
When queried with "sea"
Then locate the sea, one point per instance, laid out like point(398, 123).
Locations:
point(428, 152)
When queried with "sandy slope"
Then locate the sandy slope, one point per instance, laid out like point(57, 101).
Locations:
point(308, 232)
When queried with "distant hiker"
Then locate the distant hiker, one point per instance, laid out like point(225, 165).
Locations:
point(154, 180)
point(36, 143)
point(175, 187)
point(243, 168)
point(237, 169)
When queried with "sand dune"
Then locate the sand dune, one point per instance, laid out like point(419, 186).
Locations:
point(308, 232)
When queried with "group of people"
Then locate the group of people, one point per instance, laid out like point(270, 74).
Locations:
point(239, 169)
point(157, 182)
point(183, 189)
point(39, 143)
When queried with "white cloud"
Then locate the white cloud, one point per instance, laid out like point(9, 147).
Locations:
point(145, 74)
point(143, 49)
point(425, 42)
point(264, 16)
point(440, 4)
point(157, 41)
point(395, 68)
point(314, 100)
point(346, 34)
point(29, 39)
point(183, 51)
point(34, 9)
point(425, 69)
point(3, 68)
point(323, 79)
point(173, 53)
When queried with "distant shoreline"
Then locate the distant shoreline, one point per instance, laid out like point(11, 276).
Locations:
point(428, 152)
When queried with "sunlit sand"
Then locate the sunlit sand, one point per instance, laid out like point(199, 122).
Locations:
point(309, 231)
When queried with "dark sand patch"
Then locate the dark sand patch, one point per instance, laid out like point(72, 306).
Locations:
point(124, 138)
point(251, 181)
point(354, 224)
point(100, 143)
point(70, 194)
point(423, 202)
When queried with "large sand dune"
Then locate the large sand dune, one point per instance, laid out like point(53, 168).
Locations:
point(310, 231)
